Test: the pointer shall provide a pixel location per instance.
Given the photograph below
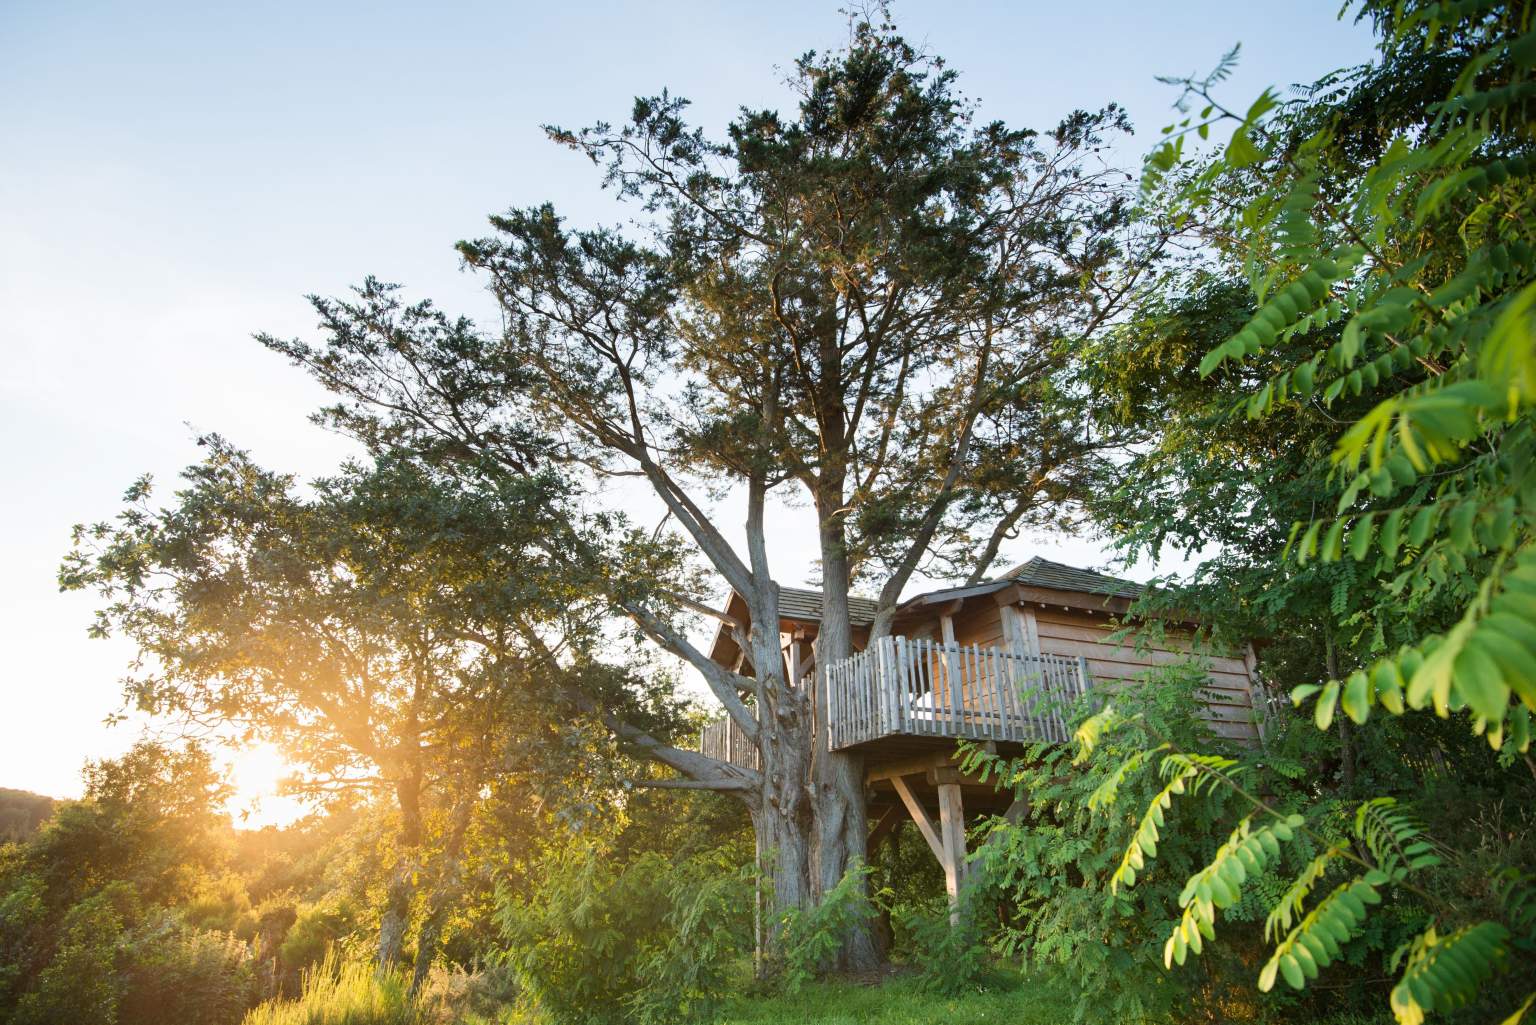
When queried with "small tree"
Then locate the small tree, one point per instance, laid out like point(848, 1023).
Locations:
point(391, 634)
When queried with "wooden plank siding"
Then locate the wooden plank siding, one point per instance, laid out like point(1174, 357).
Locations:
point(1080, 633)
point(1229, 707)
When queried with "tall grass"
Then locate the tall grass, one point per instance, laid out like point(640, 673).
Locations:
point(338, 993)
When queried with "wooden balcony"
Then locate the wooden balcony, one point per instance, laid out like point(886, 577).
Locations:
point(910, 687)
point(904, 687)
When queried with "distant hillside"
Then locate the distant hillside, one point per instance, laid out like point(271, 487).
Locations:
point(21, 813)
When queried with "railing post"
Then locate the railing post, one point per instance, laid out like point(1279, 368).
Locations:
point(834, 720)
point(890, 719)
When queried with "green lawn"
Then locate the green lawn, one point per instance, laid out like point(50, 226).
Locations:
point(1006, 999)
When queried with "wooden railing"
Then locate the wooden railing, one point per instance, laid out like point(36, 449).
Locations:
point(919, 687)
point(924, 688)
point(724, 740)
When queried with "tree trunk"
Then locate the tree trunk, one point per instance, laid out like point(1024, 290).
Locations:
point(395, 919)
point(842, 816)
point(782, 814)
point(1346, 730)
point(444, 896)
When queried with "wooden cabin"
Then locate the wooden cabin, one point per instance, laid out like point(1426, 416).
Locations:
point(998, 662)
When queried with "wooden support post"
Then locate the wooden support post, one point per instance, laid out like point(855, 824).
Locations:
point(953, 678)
point(1257, 706)
point(952, 828)
point(1031, 630)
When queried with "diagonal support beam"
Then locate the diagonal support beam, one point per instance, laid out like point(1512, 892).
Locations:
point(884, 827)
point(924, 823)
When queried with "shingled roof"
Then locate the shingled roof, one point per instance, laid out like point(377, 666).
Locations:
point(805, 605)
point(795, 603)
point(1038, 572)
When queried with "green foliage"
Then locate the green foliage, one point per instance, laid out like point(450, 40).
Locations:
point(315, 930)
point(685, 978)
point(650, 940)
point(344, 993)
point(185, 975)
point(1445, 973)
point(950, 956)
point(1359, 436)
point(810, 938)
point(90, 926)
point(79, 981)
point(1074, 919)
point(1248, 852)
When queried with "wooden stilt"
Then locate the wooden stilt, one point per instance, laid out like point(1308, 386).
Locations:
point(952, 839)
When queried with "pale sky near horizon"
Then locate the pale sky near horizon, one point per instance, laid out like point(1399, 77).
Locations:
point(176, 176)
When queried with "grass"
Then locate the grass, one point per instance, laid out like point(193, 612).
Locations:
point(356, 994)
point(343, 994)
point(1005, 999)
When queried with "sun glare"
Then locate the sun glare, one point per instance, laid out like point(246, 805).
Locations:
point(257, 772)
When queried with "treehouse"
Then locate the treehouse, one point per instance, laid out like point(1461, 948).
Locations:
point(998, 663)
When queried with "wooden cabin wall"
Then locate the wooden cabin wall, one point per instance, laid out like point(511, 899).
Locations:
point(1229, 708)
point(977, 623)
point(980, 622)
point(1079, 632)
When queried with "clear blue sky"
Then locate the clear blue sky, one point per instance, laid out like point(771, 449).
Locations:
point(175, 176)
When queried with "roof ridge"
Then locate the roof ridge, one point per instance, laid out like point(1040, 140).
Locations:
point(1050, 573)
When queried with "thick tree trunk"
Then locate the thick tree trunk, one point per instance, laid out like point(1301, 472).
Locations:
point(783, 816)
point(842, 816)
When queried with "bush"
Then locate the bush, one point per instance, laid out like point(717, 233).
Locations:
point(950, 959)
point(648, 941)
point(456, 996)
point(336, 993)
point(1052, 869)
point(160, 971)
point(310, 931)
point(175, 974)
point(811, 938)
point(80, 982)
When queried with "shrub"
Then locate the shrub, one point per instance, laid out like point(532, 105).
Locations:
point(310, 931)
point(647, 941)
point(220, 904)
point(175, 974)
point(811, 938)
point(950, 958)
point(80, 982)
point(685, 977)
point(1053, 868)
point(456, 996)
